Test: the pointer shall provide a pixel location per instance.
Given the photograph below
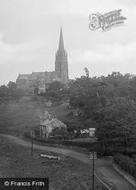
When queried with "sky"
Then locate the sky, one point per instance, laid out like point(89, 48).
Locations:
point(29, 36)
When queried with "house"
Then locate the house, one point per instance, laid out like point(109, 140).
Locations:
point(48, 124)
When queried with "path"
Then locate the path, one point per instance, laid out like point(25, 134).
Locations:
point(104, 169)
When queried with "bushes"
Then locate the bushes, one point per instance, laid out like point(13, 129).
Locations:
point(126, 163)
point(88, 145)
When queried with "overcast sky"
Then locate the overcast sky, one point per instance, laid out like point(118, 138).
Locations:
point(29, 34)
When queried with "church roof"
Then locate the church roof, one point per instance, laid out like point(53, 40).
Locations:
point(23, 76)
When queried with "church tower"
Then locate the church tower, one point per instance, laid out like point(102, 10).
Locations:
point(61, 61)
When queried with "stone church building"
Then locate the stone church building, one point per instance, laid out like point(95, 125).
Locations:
point(41, 80)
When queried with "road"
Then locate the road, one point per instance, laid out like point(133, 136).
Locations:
point(103, 168)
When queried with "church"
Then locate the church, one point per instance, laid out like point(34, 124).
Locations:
point(41, 80)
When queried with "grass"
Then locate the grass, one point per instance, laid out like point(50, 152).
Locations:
point(88, 139)
point(67, 173)
point(17, 117)
point(23, 115)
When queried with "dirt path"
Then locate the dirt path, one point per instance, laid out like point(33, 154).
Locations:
point(104, 169)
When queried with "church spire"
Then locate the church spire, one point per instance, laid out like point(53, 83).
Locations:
point(61, 43)
point(61, 61)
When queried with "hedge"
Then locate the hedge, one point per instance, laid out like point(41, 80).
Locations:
point(88, 145)
point(126, 163)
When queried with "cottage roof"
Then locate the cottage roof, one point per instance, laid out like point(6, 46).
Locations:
point(53, 123)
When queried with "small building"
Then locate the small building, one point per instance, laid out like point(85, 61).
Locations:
point(48, 124)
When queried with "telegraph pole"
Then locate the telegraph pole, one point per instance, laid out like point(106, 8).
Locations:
point(32, 147)
point(93, 173)
point(93, 156)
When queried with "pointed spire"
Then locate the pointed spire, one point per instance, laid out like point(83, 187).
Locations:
point(61, 43)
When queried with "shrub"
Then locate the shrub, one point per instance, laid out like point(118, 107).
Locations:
point(126, 163)
point(88, 145)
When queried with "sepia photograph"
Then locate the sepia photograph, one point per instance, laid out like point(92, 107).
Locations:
point(67, 95)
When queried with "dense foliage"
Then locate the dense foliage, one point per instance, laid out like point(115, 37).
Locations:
point(106, 103)
point(10, 90)
point(56, 91)
point(110, 103)
point(126, 163)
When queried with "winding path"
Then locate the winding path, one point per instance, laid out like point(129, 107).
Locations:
point(103, 168)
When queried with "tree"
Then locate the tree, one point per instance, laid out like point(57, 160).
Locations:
point(116, 127)
point(56, 86)
point(110, 102)
point(3, 91)
point(10, 90)
point(12, 86)
point(87, 94)
point(86, 72)
point(57, 91)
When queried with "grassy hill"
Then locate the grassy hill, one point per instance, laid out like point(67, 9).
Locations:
point(19, 116)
